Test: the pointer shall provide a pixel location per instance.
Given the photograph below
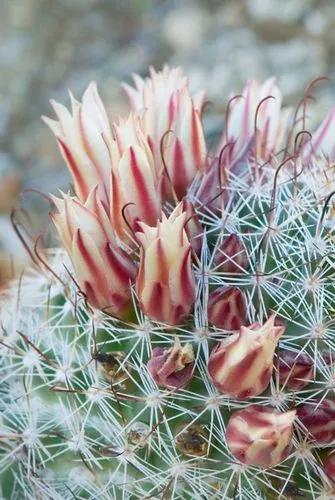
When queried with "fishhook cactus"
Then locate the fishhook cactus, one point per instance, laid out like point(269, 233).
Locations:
point(180, 342)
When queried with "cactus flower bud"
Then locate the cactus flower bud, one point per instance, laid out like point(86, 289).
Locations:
point(295, 369)
point(185, 148)
point(241, 365)
point(172, 368)
point(133, 177)
point(227, 308)
point(231, 256)
point(103, 270)
point(167, 105)
point(155, 93)
point(165, 282)
point(271, 120)
point(84, 137)
point(260, 436)
point(329, 466)
point(319, 419)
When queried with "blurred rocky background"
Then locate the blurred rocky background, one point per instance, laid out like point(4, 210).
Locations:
point(49, 46)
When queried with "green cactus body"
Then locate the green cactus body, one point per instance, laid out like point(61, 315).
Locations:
point(82, 415)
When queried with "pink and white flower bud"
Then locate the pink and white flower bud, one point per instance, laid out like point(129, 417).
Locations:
point(84, 137)
point(231, 255)
point(227, 308)
point(167, 105)
point(241, 365)
point(184, 147)
point(271, 121)
point(329, 466)
point(165, 282)
point(133, 178)
point(157, 89)
point(260, 436)
point(295, 369)
point(172, 368)
point(103, 271)
point(319, 419)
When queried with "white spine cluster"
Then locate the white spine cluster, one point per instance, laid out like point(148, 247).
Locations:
point(66, 431)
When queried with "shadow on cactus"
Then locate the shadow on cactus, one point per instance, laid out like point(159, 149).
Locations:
point(181, 345)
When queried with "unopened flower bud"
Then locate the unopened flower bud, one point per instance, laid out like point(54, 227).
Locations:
point(84, 136)
point(260, 436)
point(241, 365)
point(172, 368)
point(165, 101)
point(227, 308)
point(319, 419)
point(103, 270)
point(231, 256)
point(192, 440)
point(165, 282)
point(295, 369)
point(134, 180)
point(259, 107)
